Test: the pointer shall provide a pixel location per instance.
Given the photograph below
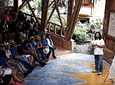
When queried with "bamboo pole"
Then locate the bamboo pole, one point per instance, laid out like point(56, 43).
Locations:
point(70, 11)
point(51, 14)
point(51, 3)
point(32, 11)
point(60, 18)
point(21, 5)
point(45, 4)
point(74, 19)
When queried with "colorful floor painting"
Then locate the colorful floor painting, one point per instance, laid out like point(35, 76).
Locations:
point(74, 69)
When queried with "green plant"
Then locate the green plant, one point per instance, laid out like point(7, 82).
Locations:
point(90, 48)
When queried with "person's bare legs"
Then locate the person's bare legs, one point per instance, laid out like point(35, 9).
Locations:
point(13, 74)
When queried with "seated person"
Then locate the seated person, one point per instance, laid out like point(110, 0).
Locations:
point(39, 48)
point(32, 23)
point(7, 17)
point(23, 35)
point(45, 46)
point(24, 51)
point(5, 31)
point(31, 45)
point(51, 45)
point(9, 70)
point(21, 17)
point(8, 80)
point(16, 63)
point(20, 58)
point(33, 32)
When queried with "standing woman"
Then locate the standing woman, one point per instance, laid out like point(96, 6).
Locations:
point(98, 44)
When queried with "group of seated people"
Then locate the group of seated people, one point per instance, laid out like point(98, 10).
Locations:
point(23, 52)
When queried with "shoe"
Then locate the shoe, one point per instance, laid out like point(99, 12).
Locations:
point(95, 71)
point(25, 74)
point(46, 60)
point(32, 68)
point(54, 57)
point(99, 73)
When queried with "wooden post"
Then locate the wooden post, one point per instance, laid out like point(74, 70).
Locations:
point(49, 28)
point(70, 11)
point(74, 19)
point(54, 29)
point(45, 4)
point(60, 18)
point(16, 5)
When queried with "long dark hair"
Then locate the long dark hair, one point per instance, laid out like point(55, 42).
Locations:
point(99, 35)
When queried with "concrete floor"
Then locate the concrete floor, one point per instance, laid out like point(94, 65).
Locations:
point(68, 69)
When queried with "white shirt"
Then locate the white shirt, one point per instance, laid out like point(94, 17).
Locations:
point(98, 50)
point(8, 53)
point(49, 43)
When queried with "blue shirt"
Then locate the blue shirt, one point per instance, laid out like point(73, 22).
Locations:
point(23, 48)
point(3, 60)
point(44, 43)
point(31, 46)
point(13, 51)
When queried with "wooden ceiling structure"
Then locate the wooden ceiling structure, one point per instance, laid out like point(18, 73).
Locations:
point(73, 12)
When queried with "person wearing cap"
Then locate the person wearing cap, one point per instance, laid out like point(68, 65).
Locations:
point(51, 45)
point(31, 45)
point(16, 63)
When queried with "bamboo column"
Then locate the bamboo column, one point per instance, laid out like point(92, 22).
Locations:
point(16, 5)
point(75, 14)
point(45, 4)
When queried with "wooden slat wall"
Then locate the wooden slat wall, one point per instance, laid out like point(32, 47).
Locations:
point(110, 43)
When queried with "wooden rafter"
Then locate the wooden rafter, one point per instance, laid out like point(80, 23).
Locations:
point(21, 6)
point(32, 11)
point(51, 14)
point(51, 3)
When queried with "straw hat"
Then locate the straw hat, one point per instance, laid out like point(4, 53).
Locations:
point(46, 50)
point(6, 44)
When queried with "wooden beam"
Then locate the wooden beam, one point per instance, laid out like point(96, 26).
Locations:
point(32, 11)
point(45, 4)
point(51, 3)
point(60, 18)
point(51, 14)
point(21, 5)
point(74, 19)
point(16, 5)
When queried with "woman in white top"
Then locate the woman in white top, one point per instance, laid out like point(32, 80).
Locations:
point(98, 44)
point(51, 45)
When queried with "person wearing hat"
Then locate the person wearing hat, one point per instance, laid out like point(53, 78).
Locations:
point(16, 63)
point(31, 45)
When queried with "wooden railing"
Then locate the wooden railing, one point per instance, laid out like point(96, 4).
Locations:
point(55, 29)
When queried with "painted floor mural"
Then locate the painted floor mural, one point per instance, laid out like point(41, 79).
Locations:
point(75, 69)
